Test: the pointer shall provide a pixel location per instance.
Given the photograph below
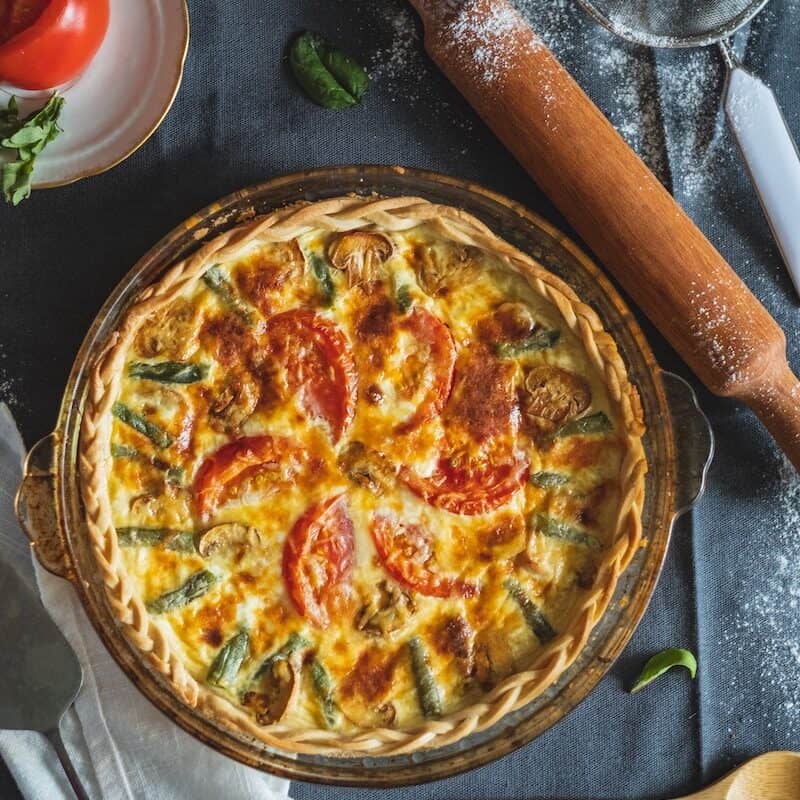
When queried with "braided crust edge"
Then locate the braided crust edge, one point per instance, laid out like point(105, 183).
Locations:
point(343, 214)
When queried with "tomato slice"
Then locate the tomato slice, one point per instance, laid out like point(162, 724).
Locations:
point(231, 464)
point(319, 365)
point(48, 44)
point(318, 557)
point(469, 487)
point(440, 360)
point(407, 554)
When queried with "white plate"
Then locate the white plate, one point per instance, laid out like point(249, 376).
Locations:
point(114, 107)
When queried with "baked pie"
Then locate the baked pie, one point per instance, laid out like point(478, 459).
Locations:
point(361, 477)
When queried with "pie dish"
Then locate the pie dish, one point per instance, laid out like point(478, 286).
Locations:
point(360, 477)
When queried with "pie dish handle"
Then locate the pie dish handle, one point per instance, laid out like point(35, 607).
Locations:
point(35, 507)
point(694, 442)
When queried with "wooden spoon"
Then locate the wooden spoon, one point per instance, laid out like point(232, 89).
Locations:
point(772, 776)
point(617, 205)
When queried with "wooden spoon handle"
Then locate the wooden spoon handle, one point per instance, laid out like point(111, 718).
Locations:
point(617, 205)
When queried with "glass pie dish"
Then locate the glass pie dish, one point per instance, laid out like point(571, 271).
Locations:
point(49, 504)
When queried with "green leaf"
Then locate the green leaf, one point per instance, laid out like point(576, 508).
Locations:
point(540, 340)
point(534, 618)
point(168, 371)
point(584, 426)
point(229, 660)
point(329, 76)
point(661, 662)
point(28, 137)
point(558, 529)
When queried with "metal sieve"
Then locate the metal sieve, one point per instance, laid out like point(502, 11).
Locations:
point(751, 108)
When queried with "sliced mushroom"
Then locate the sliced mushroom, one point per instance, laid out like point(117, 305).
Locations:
point(366, 468)
point(387, 609)
point(171, 334)
point(494, 658)
point(360, 254)
point(235, 403)
point(229, 534)
point(279, 689)
point(552, 396)
point(441, 268)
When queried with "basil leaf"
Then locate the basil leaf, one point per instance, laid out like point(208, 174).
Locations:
point(330, 77)
point(591, 423)
point(661, 662)
point(540, 340)
point(168, 371)
point(28, 137)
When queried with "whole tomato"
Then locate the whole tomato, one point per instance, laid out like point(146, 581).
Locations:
point(47, 43)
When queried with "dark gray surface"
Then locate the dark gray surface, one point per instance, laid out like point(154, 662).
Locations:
point(730, 587)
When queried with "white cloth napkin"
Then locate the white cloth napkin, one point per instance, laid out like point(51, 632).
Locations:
point(121, 745)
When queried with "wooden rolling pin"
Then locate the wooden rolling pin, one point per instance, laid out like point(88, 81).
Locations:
point(617, 205)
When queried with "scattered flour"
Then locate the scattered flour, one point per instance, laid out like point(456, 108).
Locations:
point(768, 624)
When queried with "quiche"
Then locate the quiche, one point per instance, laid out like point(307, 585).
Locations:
point(360, 477)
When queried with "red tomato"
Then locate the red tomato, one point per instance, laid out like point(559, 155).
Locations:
point(318, 557)
point(231, 464)
point(319, 365)
point(407, 553)
point(56, 45)
point(437, 380)
point(470, 487)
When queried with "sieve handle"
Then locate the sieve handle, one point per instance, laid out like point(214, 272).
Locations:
point(770, 155)
point(617, 205)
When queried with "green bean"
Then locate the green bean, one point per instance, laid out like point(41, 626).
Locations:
point(430, 698)
point(540, 340)
point(180, 541)
point(293, 644)
point(168, 371)
point(583, 426)
point(157, 435)
point(229, 660)
point(558, 529)
point(324, 689)
point(195, 586)
point(125, 451)
point(549, 480)
point(533, 616)
point(215, 279)
point(319, 266)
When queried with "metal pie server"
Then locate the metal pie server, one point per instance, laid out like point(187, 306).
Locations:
point(39, 673)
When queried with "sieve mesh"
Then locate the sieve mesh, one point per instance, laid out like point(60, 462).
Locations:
point(673, 23)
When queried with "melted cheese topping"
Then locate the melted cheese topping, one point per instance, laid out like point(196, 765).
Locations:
point(471, 642)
